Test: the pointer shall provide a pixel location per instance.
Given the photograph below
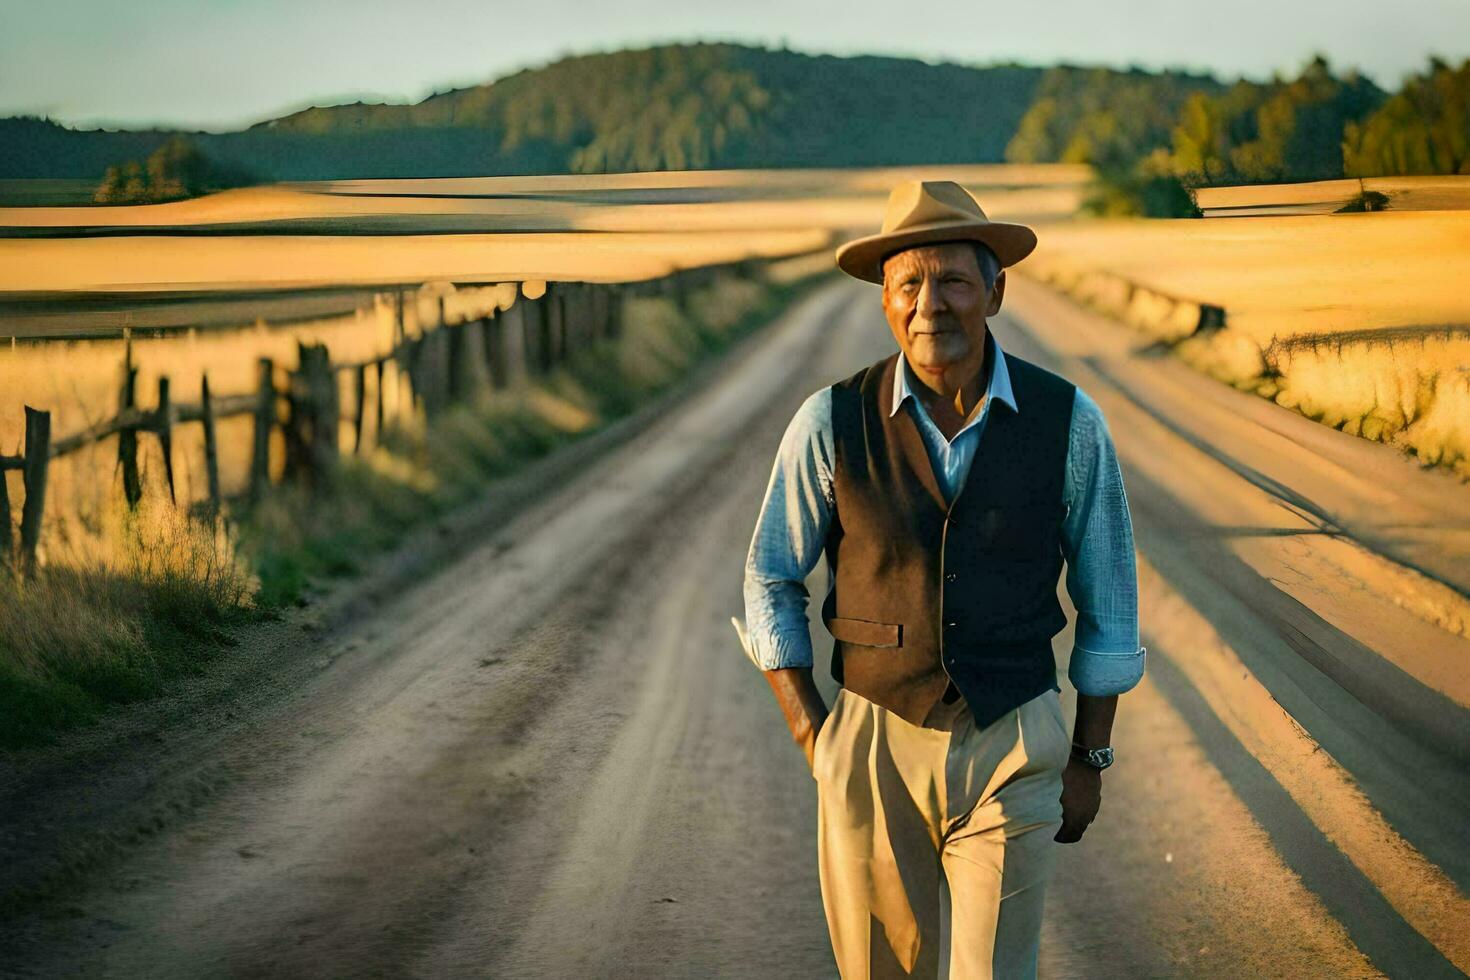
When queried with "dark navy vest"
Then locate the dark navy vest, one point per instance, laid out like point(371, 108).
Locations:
point(931, 597)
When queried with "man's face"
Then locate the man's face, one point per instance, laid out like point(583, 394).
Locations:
point(935, 300)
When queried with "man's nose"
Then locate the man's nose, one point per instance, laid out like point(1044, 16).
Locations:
point(929, 301)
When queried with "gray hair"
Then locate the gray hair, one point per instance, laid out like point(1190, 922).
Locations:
point(988, 261)
point(989, 264)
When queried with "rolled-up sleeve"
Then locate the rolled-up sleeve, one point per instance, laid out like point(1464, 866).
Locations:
point(1102, 577)
point(789, 537)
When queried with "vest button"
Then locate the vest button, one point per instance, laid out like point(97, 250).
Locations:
point(950, 576)
point(950, 625)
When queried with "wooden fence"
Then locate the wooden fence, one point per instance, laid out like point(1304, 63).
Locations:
point(529, 338)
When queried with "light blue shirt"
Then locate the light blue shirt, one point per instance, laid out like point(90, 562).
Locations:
point(1097, 532)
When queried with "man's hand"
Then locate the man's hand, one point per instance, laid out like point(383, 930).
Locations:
point(1081, 783)
point(1081, 797)
point(796, 692)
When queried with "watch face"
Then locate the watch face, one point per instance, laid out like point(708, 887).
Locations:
point(1097, 758)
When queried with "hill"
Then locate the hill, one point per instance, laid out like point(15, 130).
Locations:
point(681, 106)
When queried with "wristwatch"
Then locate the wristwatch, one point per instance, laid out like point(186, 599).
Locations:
point(1099, 758)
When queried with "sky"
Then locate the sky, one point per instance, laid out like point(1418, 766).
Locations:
point(223, 64)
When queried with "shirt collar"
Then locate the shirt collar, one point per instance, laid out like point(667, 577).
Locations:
point(998, 388)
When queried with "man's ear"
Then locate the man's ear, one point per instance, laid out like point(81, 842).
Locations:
point(997, 293)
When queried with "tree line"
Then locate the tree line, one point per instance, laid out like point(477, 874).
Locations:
point(1317, 126)
point(177, 169)
point(1151, 135)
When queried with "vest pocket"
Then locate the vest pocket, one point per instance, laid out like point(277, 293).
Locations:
point(864, 632)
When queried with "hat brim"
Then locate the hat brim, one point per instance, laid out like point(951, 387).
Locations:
point(863, 258)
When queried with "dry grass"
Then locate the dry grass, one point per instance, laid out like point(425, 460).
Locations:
point(1324, 314)
point(1409, 388)
point(101, 625)
point(1283, 276)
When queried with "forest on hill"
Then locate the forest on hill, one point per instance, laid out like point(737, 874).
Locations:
point(1152, 136)
point(685, 106)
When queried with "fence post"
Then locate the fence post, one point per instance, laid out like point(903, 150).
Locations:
point(455, 354)
point(312, 432)
point(127, 438)
point(379, 366)
point(413, 369)
point(430, 369)
point(359, 397)
point(546, 329)
point(326, 402)
point(556, 319)
point(534, 333)
point(265, 417)
point(438, 350)
point(7, 539)
point(211, 450)
point(37, 457)
point(495, 349)
point(165, 424)
point(490, 331)
point(403, 359)
point(296, 422)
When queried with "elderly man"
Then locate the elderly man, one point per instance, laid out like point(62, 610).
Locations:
point(945, 485)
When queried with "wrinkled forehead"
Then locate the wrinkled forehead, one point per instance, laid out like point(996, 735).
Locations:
point(932, 258)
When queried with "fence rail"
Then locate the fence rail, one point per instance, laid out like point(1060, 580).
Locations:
point(528, 338)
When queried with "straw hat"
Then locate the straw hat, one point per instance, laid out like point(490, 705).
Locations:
point(924, 211)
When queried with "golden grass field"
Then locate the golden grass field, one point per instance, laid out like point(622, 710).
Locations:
point(491, 229)
point(475, 244)
point(1361, 321)
point(1327, 314)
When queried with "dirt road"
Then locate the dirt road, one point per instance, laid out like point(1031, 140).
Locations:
point(552, 760)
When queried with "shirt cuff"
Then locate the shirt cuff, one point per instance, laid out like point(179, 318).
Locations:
point(1099, 674)
point(777, 651)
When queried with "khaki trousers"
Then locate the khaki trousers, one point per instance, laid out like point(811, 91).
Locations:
point(935, 842)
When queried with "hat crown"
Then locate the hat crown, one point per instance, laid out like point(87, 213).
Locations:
point(930, 212)
point(922, 202)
